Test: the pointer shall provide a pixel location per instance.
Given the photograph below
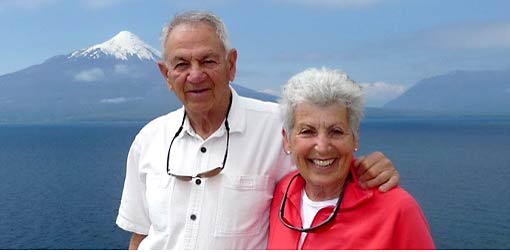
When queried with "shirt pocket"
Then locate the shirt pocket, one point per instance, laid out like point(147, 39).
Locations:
point(243, 206)
point(159, 189)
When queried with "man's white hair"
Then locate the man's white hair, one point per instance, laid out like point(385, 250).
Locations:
point(194, 18)
point(322, 87)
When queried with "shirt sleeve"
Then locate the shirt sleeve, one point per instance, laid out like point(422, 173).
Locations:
point(411, 227)
point(133, 213)
point(284, 166)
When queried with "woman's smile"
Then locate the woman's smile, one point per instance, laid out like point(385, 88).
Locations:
point(323, 162)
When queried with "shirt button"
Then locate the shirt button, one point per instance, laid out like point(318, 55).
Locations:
point(193, 217)
point(203, 149)
point(198, 181)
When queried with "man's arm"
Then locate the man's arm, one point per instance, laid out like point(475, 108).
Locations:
point(135, 241)
point(376, 169)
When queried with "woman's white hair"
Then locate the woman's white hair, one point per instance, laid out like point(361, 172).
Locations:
point(322, 87)
point(194, 18)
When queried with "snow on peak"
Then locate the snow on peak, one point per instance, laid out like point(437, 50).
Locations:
point(122, 46)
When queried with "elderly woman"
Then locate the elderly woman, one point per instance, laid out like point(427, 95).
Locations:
point(321, 206)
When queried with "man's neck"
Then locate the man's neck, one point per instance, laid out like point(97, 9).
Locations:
point(205, 124)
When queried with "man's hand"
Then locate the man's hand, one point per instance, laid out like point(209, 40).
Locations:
point(376, 170)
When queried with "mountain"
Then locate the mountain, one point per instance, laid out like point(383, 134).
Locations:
point(123, 46)
point(114, 80)
point(458, 93)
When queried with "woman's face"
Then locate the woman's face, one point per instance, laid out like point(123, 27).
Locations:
point(321, 143)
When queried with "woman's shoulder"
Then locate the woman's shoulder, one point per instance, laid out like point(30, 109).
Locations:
point(396, 198)
point(284, 182)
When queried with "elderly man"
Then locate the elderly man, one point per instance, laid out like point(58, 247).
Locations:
point(203, 176)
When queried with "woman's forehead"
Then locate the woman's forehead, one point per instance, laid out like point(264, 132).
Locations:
point(311, 113)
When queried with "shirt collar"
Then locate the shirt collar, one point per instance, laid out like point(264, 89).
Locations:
point(236, 118)
point(237, 115)
point(353, 196)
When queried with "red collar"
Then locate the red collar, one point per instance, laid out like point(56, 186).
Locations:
point(353, 196)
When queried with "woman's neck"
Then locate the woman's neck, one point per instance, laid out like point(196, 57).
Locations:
point(322, 193)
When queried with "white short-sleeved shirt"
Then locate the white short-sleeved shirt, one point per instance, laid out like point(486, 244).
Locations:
point(228, 211)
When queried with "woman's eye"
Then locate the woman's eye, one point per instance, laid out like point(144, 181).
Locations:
point(337, 132)
point(305, 132)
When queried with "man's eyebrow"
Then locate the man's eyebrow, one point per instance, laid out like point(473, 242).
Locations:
point(209, 54)
point(201, 56)
point(177, 58)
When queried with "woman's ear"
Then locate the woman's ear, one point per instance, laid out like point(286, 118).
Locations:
point(286, 144)
point(356, 141)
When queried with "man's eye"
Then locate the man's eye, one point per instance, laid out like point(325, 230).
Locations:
point(209, 63)
point(180, 66)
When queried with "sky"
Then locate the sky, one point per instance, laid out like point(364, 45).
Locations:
point(385, 45)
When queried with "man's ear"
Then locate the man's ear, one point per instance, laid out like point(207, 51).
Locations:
point(163, 69)
point(232, 61)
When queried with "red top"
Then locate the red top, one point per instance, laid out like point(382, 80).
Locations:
point(367, 219)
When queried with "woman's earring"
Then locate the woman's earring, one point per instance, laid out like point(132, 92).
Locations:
point(287, 152)
point(355, 149)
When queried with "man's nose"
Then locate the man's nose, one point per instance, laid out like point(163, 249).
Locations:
point(196, 75)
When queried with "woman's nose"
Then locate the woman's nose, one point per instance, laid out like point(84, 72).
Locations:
point(323, 143)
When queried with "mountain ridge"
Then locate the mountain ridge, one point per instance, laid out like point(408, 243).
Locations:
point(85, 88)
point(483, 92)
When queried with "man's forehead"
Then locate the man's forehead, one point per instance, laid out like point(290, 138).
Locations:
point(187, 31)
point(185, 38)
point(198, 53)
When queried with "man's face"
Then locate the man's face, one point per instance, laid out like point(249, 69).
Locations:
point(198, 69)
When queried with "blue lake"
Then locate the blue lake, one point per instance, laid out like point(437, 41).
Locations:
point(61, 184)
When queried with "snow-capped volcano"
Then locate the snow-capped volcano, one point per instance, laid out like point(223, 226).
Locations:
point(122, 46)
point(115, 80)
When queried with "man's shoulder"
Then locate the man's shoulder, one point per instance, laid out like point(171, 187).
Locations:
point(256, 105)
point(161, 123)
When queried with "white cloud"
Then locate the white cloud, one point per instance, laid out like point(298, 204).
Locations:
point(121, 69)
point(201, 4)
point(118, 100)
point(5, 100)
point(480, 36)
point(115, 100)
point(379, 93)
point(127, 71)
point(90, 75)
point(102, 4)
point(25, 4)
point(271, 92)
point(337, 4)
point(35, 4)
